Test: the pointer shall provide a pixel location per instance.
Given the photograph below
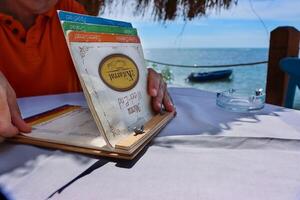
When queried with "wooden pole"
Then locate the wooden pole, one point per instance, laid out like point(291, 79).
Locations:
point(284, 42)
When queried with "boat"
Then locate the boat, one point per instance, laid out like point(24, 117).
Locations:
point(209, 76)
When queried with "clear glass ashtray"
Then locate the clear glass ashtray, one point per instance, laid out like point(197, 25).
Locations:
point(241, 100)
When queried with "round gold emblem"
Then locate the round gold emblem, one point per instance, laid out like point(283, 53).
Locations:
point(119, 72)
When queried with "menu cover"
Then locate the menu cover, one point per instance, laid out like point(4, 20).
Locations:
point(119, 120)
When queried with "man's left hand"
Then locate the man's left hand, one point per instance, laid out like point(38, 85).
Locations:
point(157, 89)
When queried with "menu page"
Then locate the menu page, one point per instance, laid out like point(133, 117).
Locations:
point(113, 72)
point(76, 128)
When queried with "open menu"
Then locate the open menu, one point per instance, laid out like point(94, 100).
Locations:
point(119, 121)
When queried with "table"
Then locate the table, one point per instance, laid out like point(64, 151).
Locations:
point(204, 153)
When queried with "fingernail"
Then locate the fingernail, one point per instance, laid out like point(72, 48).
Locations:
point(162, 110)
point(159, 105)
point(154, 92)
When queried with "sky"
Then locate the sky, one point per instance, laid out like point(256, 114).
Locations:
point(238, 27)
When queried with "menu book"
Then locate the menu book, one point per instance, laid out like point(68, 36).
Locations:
point(119, 120)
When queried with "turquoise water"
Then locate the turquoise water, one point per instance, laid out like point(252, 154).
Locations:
point(247, 78)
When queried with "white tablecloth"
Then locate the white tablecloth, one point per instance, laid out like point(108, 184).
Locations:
point(204, 153)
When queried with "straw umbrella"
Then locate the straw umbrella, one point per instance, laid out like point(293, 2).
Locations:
point(164, 10)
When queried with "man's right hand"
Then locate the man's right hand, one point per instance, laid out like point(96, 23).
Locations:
point(11, 122)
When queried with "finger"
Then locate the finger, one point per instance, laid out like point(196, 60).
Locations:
point(16, 115)
point(168, 103)
point(153, 82)
point(6, 127)
point(157, 101)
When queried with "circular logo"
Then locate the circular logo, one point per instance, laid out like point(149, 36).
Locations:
point(119, 72)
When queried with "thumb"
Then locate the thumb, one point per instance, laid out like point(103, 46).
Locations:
point(17, 118)
point(6, 127)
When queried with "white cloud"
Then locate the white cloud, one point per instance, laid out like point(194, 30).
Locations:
point(278, 10)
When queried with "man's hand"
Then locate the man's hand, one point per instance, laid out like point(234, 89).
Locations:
point(11, 122)
point(157, 89)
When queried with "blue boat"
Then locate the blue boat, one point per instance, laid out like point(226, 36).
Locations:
point(209, 76)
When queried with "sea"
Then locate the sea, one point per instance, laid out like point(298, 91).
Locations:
point(247, 78)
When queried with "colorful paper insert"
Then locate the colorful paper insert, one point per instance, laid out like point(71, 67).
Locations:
point(98, 28)
point(74, 17)
point(76, 36)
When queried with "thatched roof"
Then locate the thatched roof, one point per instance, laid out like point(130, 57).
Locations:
point(164, 9)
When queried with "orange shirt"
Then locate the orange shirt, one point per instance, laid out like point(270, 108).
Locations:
point(37, 61)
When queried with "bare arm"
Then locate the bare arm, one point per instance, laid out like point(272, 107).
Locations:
point(11, 122)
